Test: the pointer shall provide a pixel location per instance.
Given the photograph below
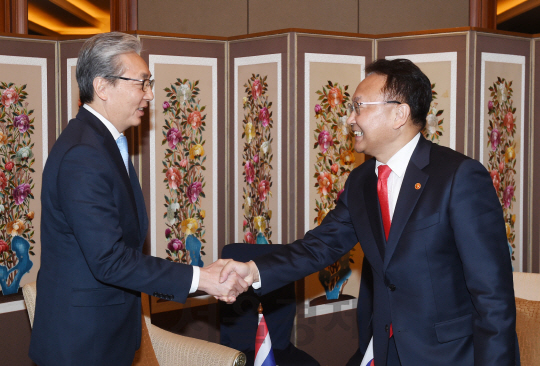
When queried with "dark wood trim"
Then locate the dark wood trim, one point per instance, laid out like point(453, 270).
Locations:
point(483, 13)
point(124, 15)
point(14, 16)
point(178, 35)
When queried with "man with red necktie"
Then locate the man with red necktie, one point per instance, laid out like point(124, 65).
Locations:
point(436, 284)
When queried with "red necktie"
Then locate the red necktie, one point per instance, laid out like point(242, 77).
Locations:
point(382, 192)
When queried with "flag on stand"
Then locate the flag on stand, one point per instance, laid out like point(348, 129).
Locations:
point(368, 356)
point(264, 356)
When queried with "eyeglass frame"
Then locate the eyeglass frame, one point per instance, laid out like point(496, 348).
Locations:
point(143, 81)
point(355, 106)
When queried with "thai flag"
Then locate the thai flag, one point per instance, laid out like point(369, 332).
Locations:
point(264, 356)
point(368, 356)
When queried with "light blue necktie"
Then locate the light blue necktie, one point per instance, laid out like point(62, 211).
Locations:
point(123, 146)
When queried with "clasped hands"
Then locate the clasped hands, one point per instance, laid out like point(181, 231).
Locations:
point(225, 279)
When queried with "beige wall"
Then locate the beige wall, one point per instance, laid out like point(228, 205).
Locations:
point(227, 18)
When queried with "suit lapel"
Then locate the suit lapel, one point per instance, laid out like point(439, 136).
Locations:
point(112, 150)
point(139, 201)
point(411, 189)
point(361, 206)
point(372, 206)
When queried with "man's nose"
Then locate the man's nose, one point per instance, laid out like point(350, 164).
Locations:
point(350, 119)
point(149, 95)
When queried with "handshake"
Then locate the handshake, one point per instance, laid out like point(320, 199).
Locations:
point(225, 279)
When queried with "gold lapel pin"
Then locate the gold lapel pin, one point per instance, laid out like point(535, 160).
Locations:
point(417, 186)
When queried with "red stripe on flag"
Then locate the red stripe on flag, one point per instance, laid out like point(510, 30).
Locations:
point(262, 331)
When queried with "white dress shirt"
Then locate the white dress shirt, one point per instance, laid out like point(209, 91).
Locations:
point(398, 163)
point(115, 134)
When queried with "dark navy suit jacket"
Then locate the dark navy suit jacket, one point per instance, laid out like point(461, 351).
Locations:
point(443, 279)
point(93, 227)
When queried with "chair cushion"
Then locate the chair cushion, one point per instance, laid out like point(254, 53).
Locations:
point(145, 356)
point(528, 331)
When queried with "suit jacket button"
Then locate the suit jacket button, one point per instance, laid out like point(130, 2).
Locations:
point(392, 287)
point(155, 294)
point(171, 297)
point(386, 328)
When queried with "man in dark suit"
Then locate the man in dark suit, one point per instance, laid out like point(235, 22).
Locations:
point(436, 284)
point(94, 223)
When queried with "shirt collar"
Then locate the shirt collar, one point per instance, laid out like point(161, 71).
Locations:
point(399, 161)
point(114, 132)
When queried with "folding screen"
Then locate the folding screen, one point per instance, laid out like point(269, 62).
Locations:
point(183, 153)
point(502, 80)
point(328, 71)
point(258, 162)
point(27, 131)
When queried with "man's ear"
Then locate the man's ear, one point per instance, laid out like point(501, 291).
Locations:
point(101, 87)
point(403, 114)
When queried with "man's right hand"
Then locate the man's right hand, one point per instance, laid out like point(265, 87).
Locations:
point(226, 290)
point(248, 271)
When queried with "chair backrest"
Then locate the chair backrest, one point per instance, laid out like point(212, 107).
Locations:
point(527, 285)
point(29, 292)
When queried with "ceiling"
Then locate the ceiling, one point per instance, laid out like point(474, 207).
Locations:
point(519, 16)
point(83, 17)
point(62, 17)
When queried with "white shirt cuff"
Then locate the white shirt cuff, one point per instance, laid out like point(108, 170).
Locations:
point(195, 279)
point(257, 285)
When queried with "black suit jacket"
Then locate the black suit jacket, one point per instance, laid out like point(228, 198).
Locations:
point(94, 224)
point(443, 279)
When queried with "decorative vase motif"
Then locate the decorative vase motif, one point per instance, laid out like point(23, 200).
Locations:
point(21, 248)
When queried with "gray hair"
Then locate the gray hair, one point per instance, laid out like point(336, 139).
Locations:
point(100, 57)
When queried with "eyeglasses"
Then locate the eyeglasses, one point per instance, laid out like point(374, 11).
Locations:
point(355, 106)
point(146, 83)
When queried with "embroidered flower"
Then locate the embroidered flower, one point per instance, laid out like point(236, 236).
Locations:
point(22, 122)
point(495, 139)
point(249, 131)
point(325, 140)
point(195, 119)
point(196, 150)
point(9, 97)
point(259, 223)
point(173, 137)
point(335, 97)
point(20, 193)
point(347, 157)
point(508, 195)
point(249, 237)
point(325, 183)
point(193, 191)
point(249, 169)
point(175, 245)
point(264, 116)
point(15, 227)
point(256, 89)
point(189, 226)
point(263, 190)
point(174, 177)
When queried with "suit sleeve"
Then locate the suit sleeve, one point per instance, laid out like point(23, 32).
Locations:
point(477, 220)
point(86, 184)
point(318, 249)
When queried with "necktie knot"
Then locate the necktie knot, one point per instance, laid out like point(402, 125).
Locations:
point(123, 147)
point(384, 172)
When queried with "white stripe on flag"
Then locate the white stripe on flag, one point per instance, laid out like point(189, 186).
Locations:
point(368, 356)
point(264, 356)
